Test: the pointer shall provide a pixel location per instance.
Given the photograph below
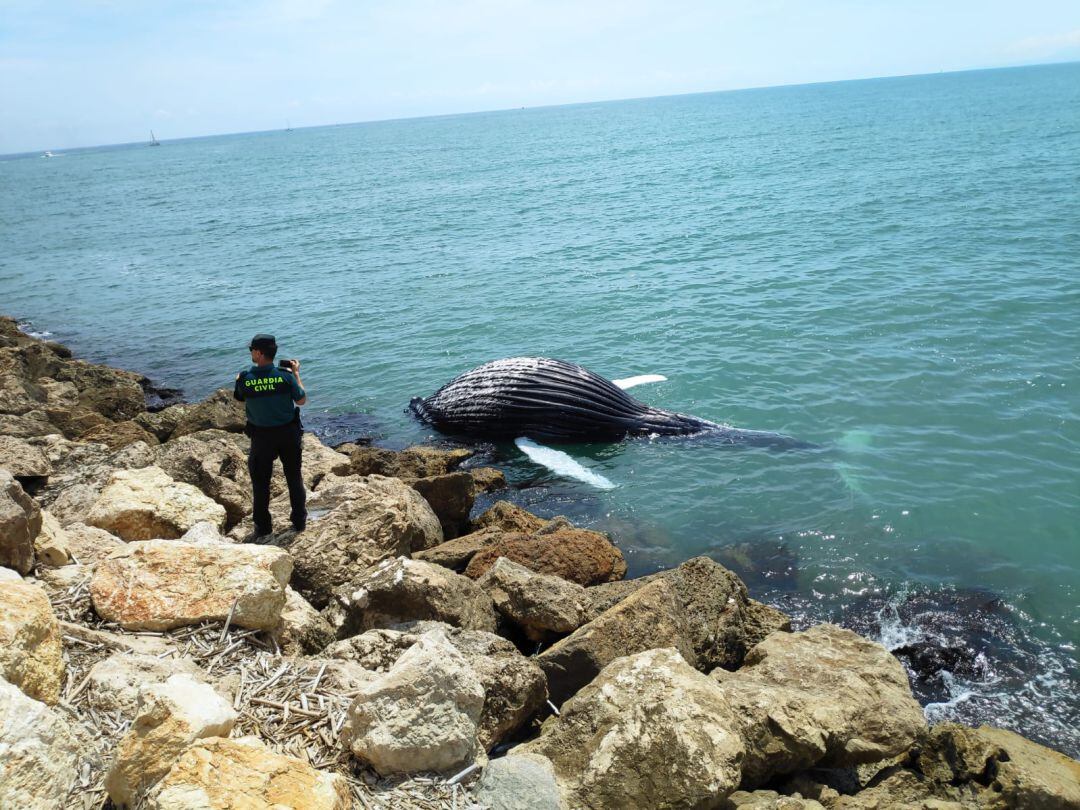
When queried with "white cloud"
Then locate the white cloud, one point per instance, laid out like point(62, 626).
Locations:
point(1045, 46)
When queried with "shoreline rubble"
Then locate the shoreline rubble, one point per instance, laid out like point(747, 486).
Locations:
point(149, 653)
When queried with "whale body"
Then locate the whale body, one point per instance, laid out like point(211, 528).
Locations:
point(556, 401)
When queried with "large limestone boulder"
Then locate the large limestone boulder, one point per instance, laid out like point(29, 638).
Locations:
point(39, 753)
point(245, 773)
point(147, 504)
point(114, 683)
point(648, 619)
point(997, 769)
point(514, 686)
point(20, 522)
point(219, 411)
point(81, 472)
point(22, 459)
point(356, 523)
point(422, 715)
point(723, 621)
point(115, 394)
point(404, 590)
point(649, 732)
point(31, 650)
point(171, 716)
point(301, 630)
point(542, 605)
point(823, 697)
point(161, 584)
point(451, 498)
point(212, 461)
point(579, 555)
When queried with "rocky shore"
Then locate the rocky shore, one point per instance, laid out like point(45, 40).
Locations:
point(404, 652)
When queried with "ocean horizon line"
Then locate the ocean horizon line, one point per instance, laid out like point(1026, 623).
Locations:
point(37, 152)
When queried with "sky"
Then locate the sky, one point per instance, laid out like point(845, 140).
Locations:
point(109, 71)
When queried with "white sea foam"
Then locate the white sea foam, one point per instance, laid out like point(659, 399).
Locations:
point(561, 464)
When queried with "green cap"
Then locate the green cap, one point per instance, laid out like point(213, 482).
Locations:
point(263, 341)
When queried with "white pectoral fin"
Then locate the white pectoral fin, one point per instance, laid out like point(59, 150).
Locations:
point(641, 379)
point(560, 463)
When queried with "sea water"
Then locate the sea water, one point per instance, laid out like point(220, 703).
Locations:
point(889, 269)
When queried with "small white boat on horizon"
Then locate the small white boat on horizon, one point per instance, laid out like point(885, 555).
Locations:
point(51, 154)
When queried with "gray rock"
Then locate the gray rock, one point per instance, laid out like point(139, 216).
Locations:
point(519, 782)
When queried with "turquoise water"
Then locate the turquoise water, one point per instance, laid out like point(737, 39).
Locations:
point(888, 268)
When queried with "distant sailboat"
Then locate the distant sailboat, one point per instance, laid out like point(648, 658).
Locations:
point(288, 125)
point(154, 141)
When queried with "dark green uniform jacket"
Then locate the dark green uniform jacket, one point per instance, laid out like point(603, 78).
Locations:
point(268, 394)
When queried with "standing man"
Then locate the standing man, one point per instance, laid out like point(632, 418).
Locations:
point(271, 395)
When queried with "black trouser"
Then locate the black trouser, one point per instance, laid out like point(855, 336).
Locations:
point(282, 442)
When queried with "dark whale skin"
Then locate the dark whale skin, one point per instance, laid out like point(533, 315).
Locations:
point(556, 401)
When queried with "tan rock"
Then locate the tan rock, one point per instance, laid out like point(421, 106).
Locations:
point(540, 604)
point(219, 411)
point(20, 522)
point(115, 435)
point(171, 716)
point(823, 697)
point(649, 619)
point(578, 555)
point(81, 472)
point(1000, 768)
point(508, 517)
point(487, 479)
point(302, 631)
point(23, 460)
point(213, 461)
point(649, 732)
point(161, 584)
point(422, 715)
point(405, 590)
point(90, 545)
point(111, 392)
point(162, 423)
point(514, 686)
point(114, 683)
point(31, 651)
point(724, 622)
point(408, 464)
point(26, 426)
point(770, 800)
point(356, 523)
point(451, 497)
point(455, 554)
point(147, 504)
point(244, 773)
point(51, 546)
point(39, 753)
